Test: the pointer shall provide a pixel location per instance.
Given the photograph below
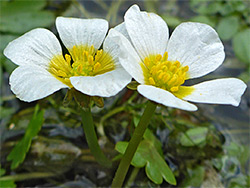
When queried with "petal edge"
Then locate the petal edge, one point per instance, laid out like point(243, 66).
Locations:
point(164, 97)
point(219, 91)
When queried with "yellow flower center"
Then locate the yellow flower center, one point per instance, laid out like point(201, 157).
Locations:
point(84, 61)
point(167, 75)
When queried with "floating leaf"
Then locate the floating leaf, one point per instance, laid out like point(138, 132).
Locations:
point(194, 136)
point(228, 27)
point(18, 153)
point(241, 45)
point(147, 155)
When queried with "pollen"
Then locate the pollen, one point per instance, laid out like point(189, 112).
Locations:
point(163, 73)
point(82, 61)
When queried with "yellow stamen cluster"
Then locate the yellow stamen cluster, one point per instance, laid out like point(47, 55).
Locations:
point(84, 61)
point(160, 72)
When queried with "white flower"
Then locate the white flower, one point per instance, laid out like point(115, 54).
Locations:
point(43, 69)
point(161, 64)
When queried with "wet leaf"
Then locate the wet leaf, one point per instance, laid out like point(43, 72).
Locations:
point(147, 155)
point(18, 153)
point(241, 45)
point(194, 136)
point(228, 27)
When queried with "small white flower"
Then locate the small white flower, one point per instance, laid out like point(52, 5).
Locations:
point(43, 69)
point(161, 64)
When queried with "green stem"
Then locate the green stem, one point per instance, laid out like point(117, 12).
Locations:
point(111, 113)
point(26, 176)
point(90, 134)
point(132, 177)
point(133, 144)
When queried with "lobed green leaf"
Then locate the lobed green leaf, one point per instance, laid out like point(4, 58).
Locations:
point(147, 155)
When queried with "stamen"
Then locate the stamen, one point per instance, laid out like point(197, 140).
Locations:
point(80, 68)
point(162, 73)
point(68, 59)
point(97, 66)
point(151, 81)
point(158, 57)
point(174, 89)
point(86, 62)
point(147, 62)
point(165, 56)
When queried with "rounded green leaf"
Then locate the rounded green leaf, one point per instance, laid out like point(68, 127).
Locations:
point(228, 27)
point(153, 173)
point(241, 45)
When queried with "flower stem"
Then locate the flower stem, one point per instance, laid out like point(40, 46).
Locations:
point(90, 134)
point(133, 144)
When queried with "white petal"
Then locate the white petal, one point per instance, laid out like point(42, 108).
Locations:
point(76, 31)
point(164, 97)
point(30, 83)
point(103, 85)
point(111, 47)
point(37, 47)
point(198, 46)
point(219, 91)
point(122, 29)
point(128, 57)
point(148, 32)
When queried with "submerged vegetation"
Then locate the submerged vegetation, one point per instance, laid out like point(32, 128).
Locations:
point(43, 143)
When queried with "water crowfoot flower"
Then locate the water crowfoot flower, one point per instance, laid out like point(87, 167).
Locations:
point(162, 64)
point(43, 69)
